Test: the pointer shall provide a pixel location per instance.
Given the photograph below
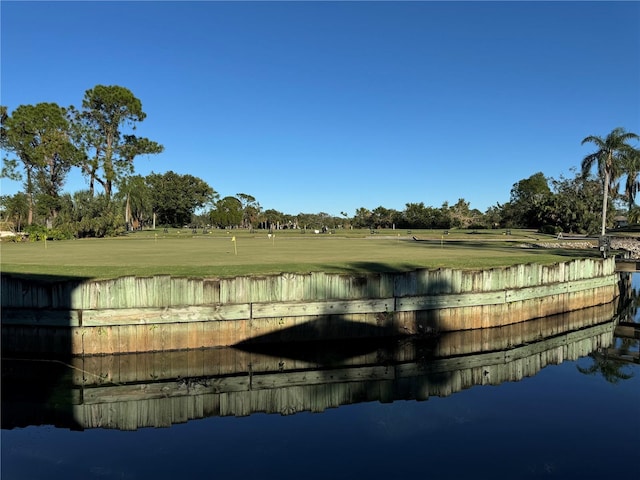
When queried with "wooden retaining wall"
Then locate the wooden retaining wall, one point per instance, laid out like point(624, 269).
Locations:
point(136, 314)
point(159, 389)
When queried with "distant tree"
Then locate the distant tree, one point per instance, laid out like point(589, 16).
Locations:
point(417, 215)
point(270, 219)
point(382, 217)
point(39, 137)
point(363, 218)
point(99, 128)
point(607, 157)
point(307, 220)
point(175, 197)
point(250, 210)
point(290, 221)
point(325, 220)
point(532, 189)
point(315, 221)
point(461, 214)
point(93, 216)
point(227, 213)
point(345, 224)
point(320, 221)
point(493, 216)
point(573, 206)
point(510, 216)
point(633, 216)
point(136, 196)
point(15, 209)
point(527, 197)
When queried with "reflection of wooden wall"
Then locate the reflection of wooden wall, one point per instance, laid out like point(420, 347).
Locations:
point(285, 386)
point(159, 366)
point(162, 313)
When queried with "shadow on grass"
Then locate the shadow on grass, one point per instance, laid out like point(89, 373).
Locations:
point(364, 268)
point(511, 246)
point(45, 279)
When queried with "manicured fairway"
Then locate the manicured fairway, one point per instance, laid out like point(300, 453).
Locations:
point(215, 255)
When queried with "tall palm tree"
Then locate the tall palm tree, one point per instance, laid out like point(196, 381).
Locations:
point(607, 160)
point(630, 164)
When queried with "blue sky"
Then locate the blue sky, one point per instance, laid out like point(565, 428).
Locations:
point(333, 106)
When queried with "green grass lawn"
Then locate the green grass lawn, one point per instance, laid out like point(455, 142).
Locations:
point(183, 253)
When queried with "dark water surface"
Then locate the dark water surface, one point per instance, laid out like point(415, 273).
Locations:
point(576, 419)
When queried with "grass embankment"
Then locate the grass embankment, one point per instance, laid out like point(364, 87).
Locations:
point(184, 253)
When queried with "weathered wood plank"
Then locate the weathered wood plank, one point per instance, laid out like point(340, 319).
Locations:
point(279, 380)
point(134, 316)
point(448, 301)
point(173, 388)
point(43, 317)
point(559, 288)
point(293, 309)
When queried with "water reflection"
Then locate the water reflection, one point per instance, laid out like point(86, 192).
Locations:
point(611, 362)
point(128, 392)
point(555, 423)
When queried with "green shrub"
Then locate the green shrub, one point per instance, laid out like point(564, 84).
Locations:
point(477, 226)
point(550, 229)
point(63, 232)
point(36, 232)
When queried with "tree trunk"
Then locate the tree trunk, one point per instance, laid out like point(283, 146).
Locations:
point(107, 190)
point(29, 189)
point(30, 215)
point(604, 202)
point(127, 211)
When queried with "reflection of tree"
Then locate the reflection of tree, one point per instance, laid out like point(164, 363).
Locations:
point(609, 362)
point(609, 368)
point(630, 299)
point(634, 303)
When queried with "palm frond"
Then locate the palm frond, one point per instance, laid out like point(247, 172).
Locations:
point(594, 139)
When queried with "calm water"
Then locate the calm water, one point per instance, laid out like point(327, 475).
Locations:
point(576, 419)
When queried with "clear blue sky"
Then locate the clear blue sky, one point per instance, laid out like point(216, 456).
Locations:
point(332, 106)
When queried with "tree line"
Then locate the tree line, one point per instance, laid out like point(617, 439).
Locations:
point(44, 142)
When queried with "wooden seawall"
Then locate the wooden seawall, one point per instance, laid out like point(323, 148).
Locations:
point(162, 313)
point(159, 389)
